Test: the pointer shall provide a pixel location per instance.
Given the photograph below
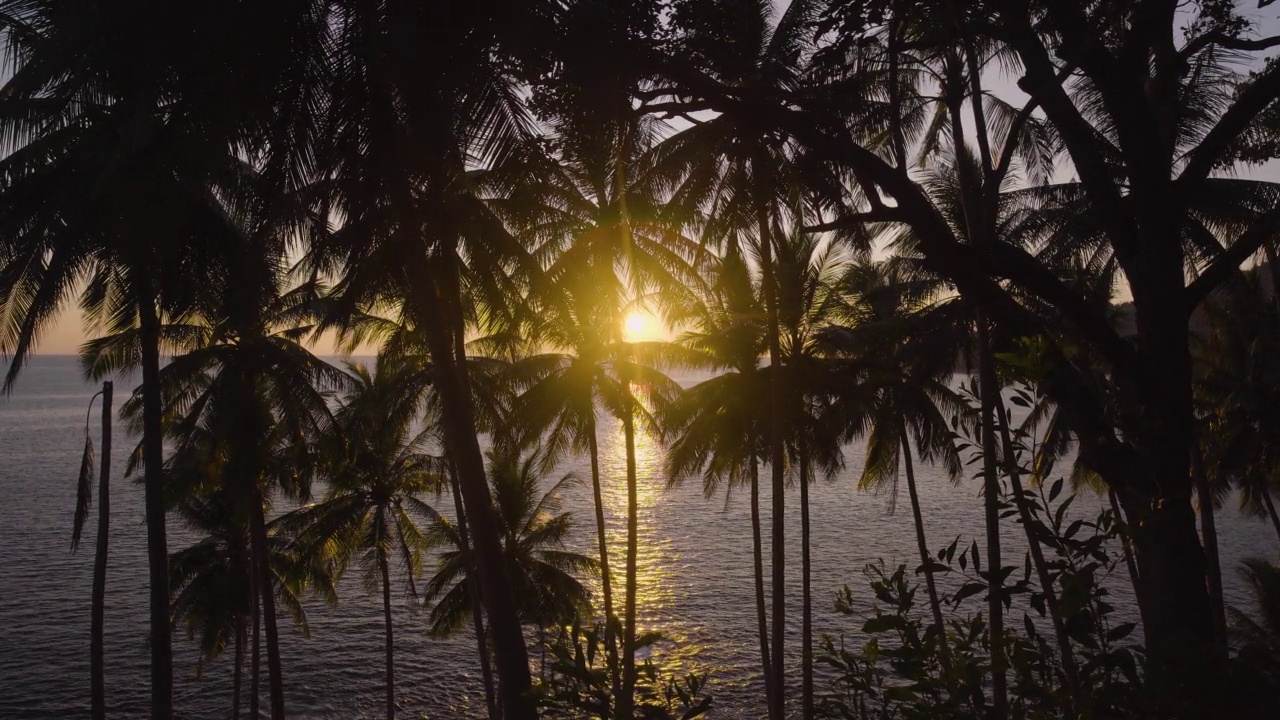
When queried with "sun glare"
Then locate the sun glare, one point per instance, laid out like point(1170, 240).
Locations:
point(638, 326)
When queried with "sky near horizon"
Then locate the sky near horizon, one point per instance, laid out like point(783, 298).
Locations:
point(69, 332)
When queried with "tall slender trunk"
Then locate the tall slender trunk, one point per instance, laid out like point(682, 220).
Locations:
point(757, 553)
point(237, 672)
point(626, 700)
point(473, 590)
point(777, 460)
point(806, 597)
point(606, 582)
point(926, 558)
point(275, 678)
point(1127, 545)
point(255, 660)
point(991, 504)
point(1209, 534)
point(153, 482)
point(386, 617)
point(1271, 509)
point(1069, 667)
point(454, 390)
point(97, 668)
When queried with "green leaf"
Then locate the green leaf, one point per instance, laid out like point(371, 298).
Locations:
point(1120, 631)
point(967, 591)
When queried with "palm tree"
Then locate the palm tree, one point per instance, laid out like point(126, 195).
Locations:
point(406, 160)
point(534, 531)
point(714, 427)
point(1237, 374)
point(245, 385)
point(808, 303)
point(115, 138)
point(375, 468)
point(902, 350)
point(739, 177)
point(213, 582)
point(84, 498)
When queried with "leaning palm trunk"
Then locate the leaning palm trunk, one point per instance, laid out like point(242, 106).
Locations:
point(275, 678)
point(626, 699)
point(386, 615)
point(454, 391)
point(926, 559)
point(1126, 544)
point(473, 593)
point(1209, 531)
point(757, 548)
point(606, 583)
point(989, 391)
point(1069, 667)
point(777, 466)
point(806, 610)
point(153, 482)
point(97, 681)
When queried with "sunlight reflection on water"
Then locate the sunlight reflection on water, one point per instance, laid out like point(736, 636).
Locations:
point(693, 578)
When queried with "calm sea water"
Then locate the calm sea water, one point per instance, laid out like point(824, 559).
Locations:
point(695, 580)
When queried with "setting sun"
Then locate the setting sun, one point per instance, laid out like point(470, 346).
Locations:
point(639, 326)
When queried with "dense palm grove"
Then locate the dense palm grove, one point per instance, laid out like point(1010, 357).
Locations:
point(883, 222)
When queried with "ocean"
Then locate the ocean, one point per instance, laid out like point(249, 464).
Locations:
point(695, 583)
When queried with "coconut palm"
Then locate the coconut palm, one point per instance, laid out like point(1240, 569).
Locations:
point(84, 498)
point(714, 428)
point(244, 385)
point(1237, 383)
point(741, 178)
point(116, 140)
point(376, 467)
point(534, 530)
point(416, 231)
point(902, 351)
point(214, 585)
point(807, 272)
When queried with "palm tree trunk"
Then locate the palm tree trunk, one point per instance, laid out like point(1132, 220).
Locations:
point(757, 548)
point(926, 558)
point(473, 590)
point(454, 390)
point(265, 591)
point(255, 662)
point(606, 583)
point(1069, 667)
point(806, 609)
point(1209, 533)
point(153, 482)
point(386, 616)
point(989, 391)
point(1271, 509)
point(97, 682)
point(626, 700)
point(777, 460)
point(1126, 544)
point(237, 672)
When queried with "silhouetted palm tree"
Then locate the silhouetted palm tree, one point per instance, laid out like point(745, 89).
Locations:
point(902, 354)
point(213, 582)
point(715, 427)
point(376, 467)
point(534, 530)
point(84, 499)
point(244, 386)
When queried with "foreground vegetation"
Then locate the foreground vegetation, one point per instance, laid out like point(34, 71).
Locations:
point(827, 200)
